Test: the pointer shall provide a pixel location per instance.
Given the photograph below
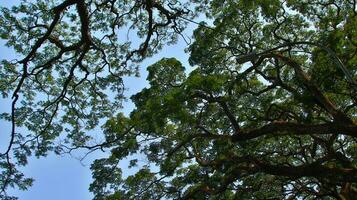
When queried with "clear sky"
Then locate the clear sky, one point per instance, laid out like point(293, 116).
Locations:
point(64, 177)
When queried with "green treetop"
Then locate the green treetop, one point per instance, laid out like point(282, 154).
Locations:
point(269, 112)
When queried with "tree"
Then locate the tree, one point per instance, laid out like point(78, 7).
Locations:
point(269, 112)
point(71, 54)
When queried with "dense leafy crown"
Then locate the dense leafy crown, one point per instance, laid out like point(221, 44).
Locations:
point(269, 112)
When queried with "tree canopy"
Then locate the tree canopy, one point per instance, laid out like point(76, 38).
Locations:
point(268, 112)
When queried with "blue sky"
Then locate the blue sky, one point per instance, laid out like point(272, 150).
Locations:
point(64, 177)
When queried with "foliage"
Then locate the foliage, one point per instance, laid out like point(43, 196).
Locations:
point(269, 112)
point(71, 54)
